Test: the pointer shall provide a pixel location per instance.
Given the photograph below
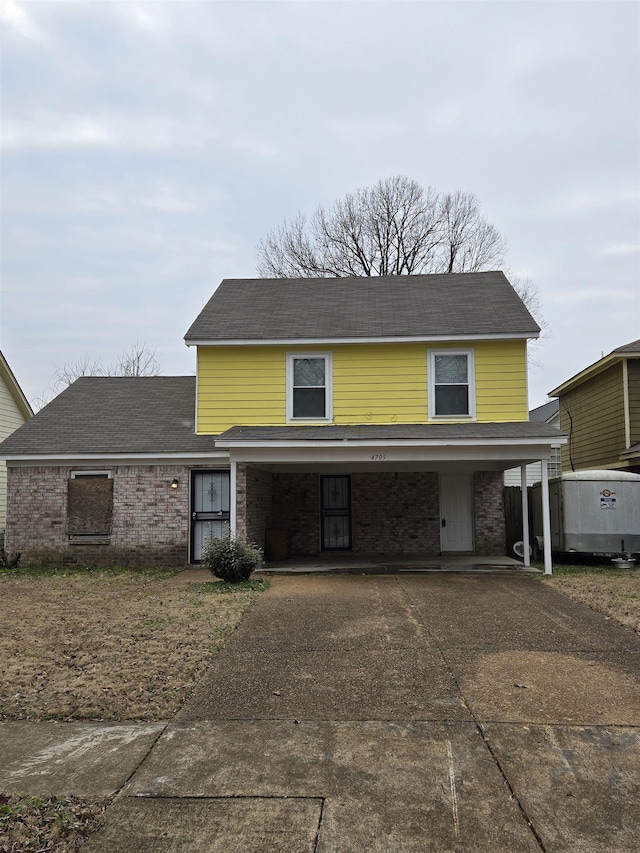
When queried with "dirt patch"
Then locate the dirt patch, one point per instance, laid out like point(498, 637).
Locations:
point(616, 593)
point(109, 646)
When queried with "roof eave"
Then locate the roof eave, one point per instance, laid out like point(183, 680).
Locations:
point(14, 388)
point(324, 341)
point(593, 370)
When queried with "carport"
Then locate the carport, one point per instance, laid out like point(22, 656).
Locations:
point(431, 489)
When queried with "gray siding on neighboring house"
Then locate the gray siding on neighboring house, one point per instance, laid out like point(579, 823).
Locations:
point(592, 415)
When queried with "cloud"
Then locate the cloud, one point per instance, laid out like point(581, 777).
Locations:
point(621, 249)
point(15, 19)
point(103, 130)
point(592, 294)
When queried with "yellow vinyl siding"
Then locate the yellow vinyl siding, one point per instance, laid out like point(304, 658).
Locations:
point(372, 383)
point(10, 419)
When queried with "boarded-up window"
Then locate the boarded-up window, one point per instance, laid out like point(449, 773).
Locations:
point(89, 507)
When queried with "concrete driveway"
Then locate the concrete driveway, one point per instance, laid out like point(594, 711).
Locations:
point(399, 713)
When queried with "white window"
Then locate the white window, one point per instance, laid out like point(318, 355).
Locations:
point(451, 376)
point(309, 386)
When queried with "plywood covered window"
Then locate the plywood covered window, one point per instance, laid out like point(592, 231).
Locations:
point(89, 503)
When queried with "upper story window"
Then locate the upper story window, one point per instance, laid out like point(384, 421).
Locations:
point(309, 387)
point(451, 384)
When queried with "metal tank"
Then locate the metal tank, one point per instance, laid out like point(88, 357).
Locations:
point(592, 512)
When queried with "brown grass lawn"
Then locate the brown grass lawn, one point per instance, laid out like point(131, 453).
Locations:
point(614, 592)
point(109, 645)
point(102, 646)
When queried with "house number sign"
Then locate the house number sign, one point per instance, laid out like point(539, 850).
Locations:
point(379, 457)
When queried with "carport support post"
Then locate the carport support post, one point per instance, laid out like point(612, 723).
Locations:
point(546, 517)
point(525, 515)
point(233, 500)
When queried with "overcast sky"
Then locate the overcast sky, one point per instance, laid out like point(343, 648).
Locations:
point(147, 146)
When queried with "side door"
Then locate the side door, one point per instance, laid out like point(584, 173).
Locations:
point(335, 512)
point(456, 513)
point(210, 508)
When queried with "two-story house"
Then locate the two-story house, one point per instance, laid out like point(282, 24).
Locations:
point(375, 415)
point(600, 413)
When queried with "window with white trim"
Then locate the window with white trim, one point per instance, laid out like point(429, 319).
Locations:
point(451, 377)
point(309, 386)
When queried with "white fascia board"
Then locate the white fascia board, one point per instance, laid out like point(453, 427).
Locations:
point(551, 441)
point(116, 458)
point(386, 456)
point(327, 342)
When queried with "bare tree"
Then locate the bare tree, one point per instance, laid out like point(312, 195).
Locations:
point(395, 227)
point(137, 361)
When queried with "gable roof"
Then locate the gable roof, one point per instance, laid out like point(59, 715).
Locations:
point(616, 356)
point(114, 415)
point(11, 383)
point(546, 412)
point(344, 309)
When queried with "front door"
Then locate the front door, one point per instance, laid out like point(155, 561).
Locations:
point(210, 504)
point(335, 513)
point(456, 513)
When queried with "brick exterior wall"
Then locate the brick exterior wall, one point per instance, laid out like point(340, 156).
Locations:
point(254, 492)
point(395, 513)
point(150, 521)
point(296, 507)
point(488, 511)
point(392, 512)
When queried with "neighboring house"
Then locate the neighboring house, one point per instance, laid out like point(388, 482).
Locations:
point(14, 411)
point(548, 413)
point(600, 412)
point(375, 415)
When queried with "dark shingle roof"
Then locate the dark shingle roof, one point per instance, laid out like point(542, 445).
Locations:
point(104, 415)
point(545, 412)
point(482, 303)
point(634, 347)
point(394, 432)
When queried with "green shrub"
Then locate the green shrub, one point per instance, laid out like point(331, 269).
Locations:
point(231, 558)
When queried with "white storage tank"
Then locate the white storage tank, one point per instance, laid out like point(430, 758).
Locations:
point(592, 512)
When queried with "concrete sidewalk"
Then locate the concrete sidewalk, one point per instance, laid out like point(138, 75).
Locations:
point(386, 713)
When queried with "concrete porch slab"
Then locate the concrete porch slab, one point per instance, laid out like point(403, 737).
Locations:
point(348, 563)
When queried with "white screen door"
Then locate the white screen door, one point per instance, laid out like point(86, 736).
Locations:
point(456, 513)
